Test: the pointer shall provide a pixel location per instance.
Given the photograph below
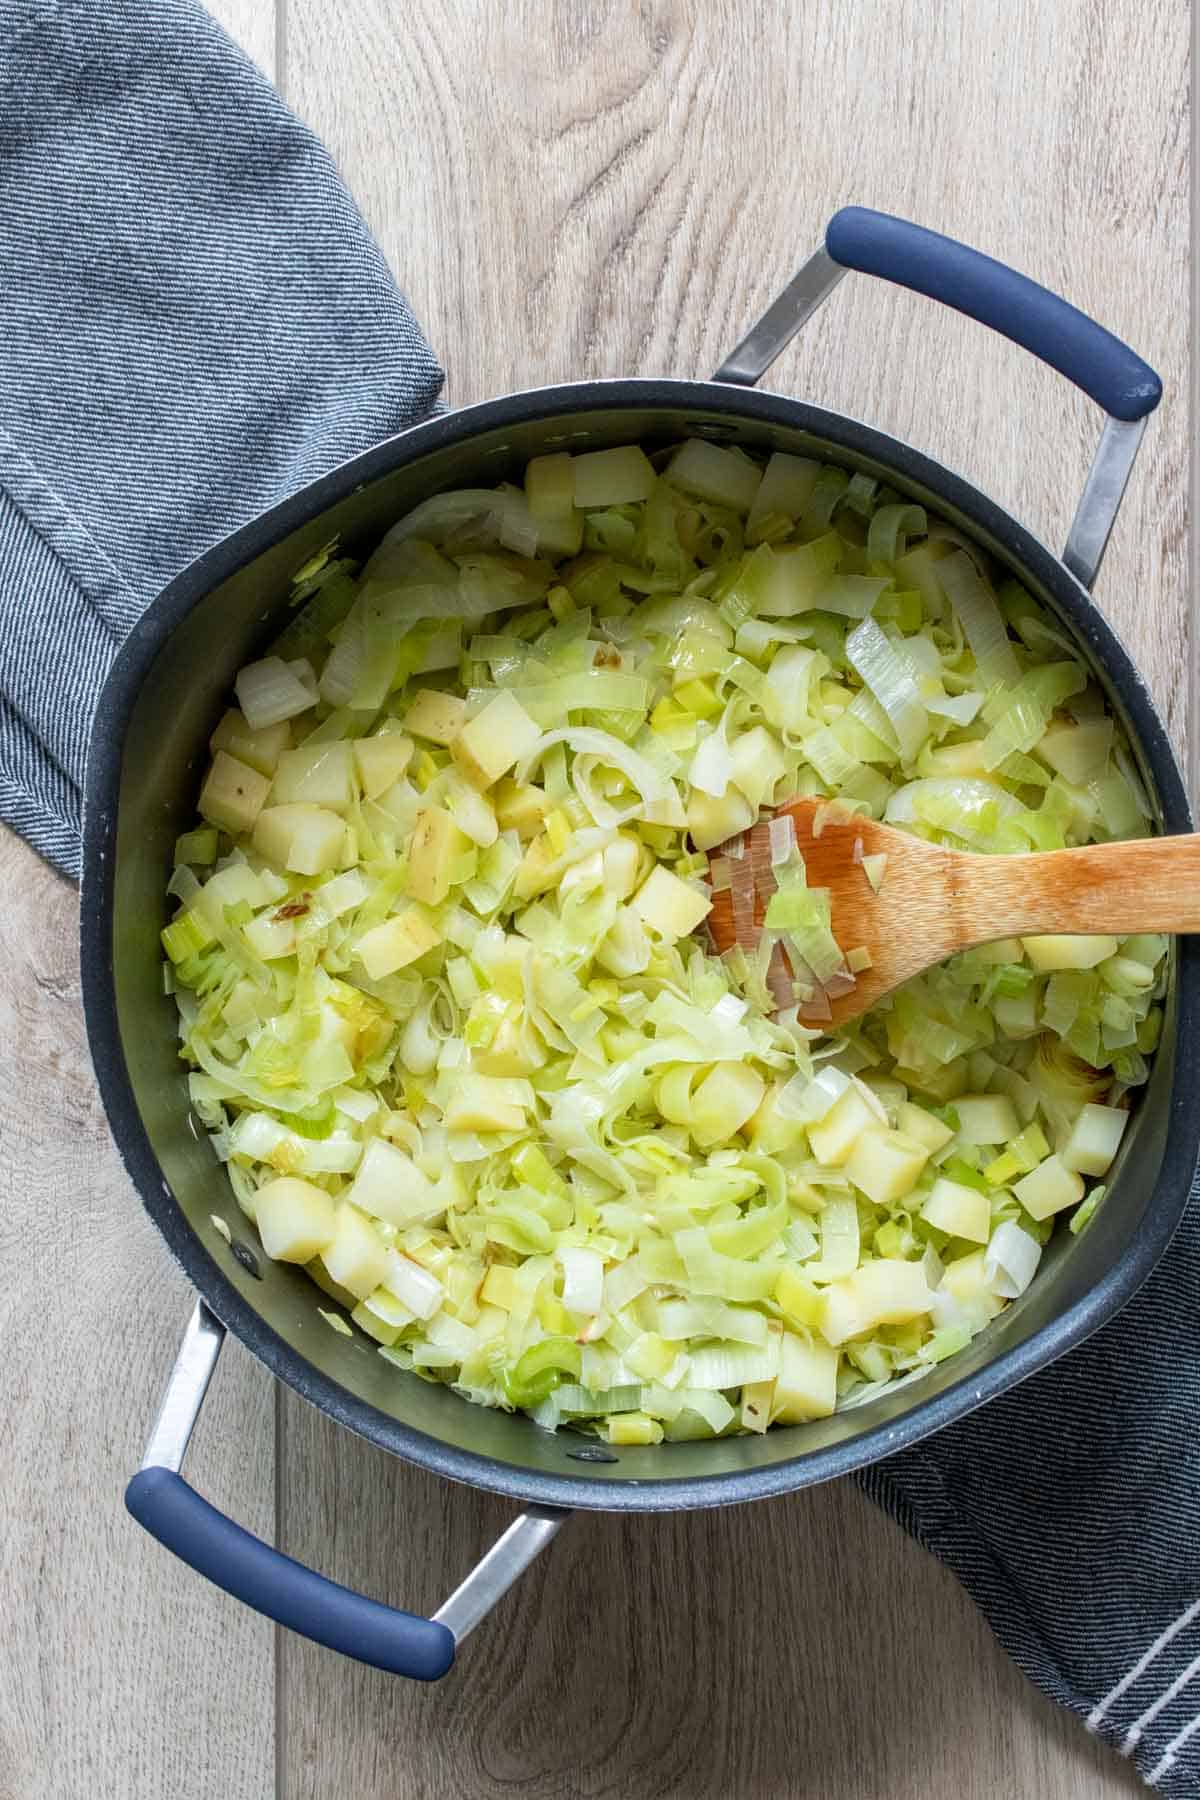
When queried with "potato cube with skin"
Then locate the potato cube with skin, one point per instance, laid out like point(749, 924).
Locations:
point(885, 1165)
point(435, 716)
point(233, 794)
point(884, 1292)
point(260, 749)
point(724, 1100)
point(381, 761)
point(399, 941)
point(915, 1122)
point(960, 1211)
point(389, 1186)
point(1049, 1189)
point(986, 1119)
point(670, 906)
point(1095, 1139)
point(806, 1386)
point(495, 740)
point(486, 1103)
point(519, 807)
point(316, 774)
point(295, 1219)
point(832, 1139)
point(357, 1257)
point(435, 844)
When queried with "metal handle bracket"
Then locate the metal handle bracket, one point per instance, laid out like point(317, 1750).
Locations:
point(251, 1570)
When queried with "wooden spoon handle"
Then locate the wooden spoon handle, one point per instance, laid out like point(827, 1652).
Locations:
point(1145, 884)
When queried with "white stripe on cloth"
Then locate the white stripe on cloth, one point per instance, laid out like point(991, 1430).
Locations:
point(1133, 1736)
point(1167, 1760)
point(1142, 1664)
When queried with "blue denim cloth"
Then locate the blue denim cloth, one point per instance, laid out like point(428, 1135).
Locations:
point(196, 322)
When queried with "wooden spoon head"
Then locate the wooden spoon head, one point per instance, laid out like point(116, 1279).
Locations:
point(904, 927)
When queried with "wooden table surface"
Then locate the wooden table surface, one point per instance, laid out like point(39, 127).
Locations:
point(578, 188)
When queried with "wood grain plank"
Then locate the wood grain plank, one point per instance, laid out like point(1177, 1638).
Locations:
point(121, 1672)
point(607, 187)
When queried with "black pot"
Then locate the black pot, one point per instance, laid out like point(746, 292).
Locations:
point(163, 696)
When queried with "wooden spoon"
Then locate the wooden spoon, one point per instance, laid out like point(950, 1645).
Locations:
point(933, 902)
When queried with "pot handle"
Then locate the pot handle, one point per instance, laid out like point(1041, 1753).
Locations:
point(1109, 371)
point(243, 1565)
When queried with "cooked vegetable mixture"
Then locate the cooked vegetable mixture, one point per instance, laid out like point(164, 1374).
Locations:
point(456, 1026)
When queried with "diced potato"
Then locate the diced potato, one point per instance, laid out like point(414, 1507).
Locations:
point(270, 938)
point(259, 749)
point(390, 1186)
point(960, 1211)
point(496, 739)
point(436, 716)
point(399, 941)
point(724, 1100)
point(486, 1103)
point(806, 1386)
point(1051, 1188)
point(922, 1125)
point(721, 476)
point(381, 761)
point(315, 774)
point(295, 1219)
point(233, 794)
point(435, 844)
point(519, 807)
point(711, 821)
point(308, 840)
point(357, 1257)
point(884, 1292)
point(965, 1280)
point(832, 1139)
point(885, 1165)
point(986, 1119)
point(612, 477)
point(1095, 1139)
point(1065, 952)
point(670, 906)
point(382, 1316)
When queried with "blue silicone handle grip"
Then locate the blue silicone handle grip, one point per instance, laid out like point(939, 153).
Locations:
point(398, 1642)
point(875, 243)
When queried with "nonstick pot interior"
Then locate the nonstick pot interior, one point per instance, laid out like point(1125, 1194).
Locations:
point(165, 695)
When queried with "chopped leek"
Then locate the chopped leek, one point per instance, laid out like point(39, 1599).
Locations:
point(446, 993)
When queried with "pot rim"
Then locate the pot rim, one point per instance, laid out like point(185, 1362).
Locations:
point(101, 795)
